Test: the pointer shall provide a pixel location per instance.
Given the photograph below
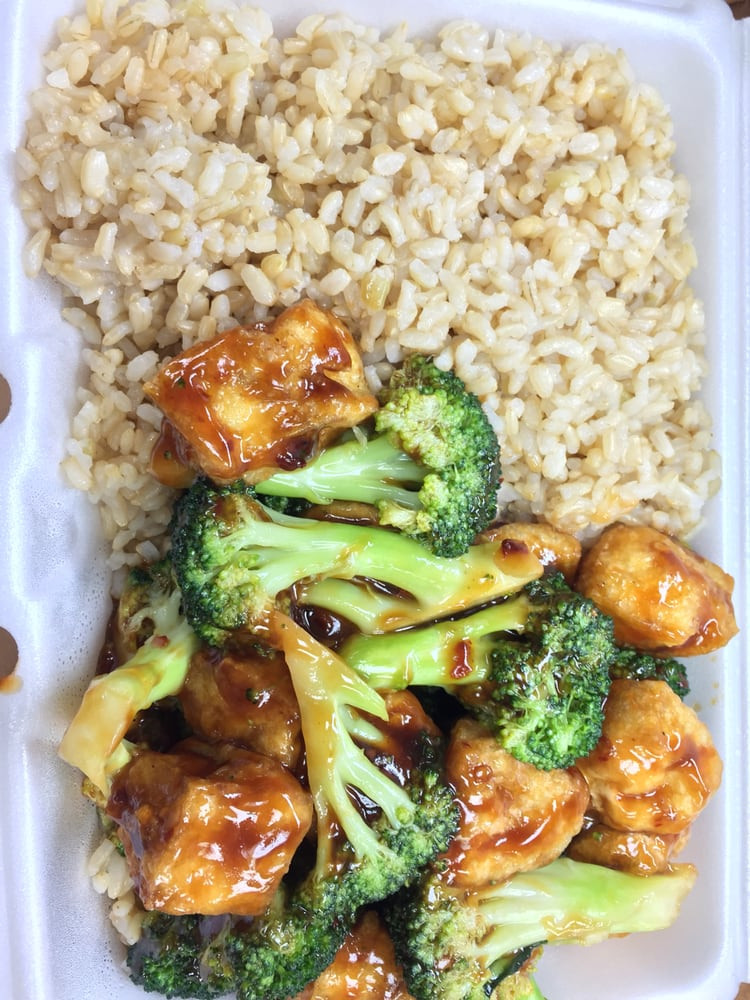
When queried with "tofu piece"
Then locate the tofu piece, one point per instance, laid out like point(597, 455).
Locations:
point(661, 595)
point(245, 698)
point(260, 398)
point(208, 830)
point(655, 766)
point(630, 851)
point(364, 968)
point(514, 817)
point(556, 550)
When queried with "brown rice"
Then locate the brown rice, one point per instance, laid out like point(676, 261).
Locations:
point(501, 203)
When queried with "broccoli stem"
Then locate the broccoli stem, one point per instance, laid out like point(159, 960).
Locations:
point(287, 549)
point(327, 690)
point(458, 945)
point(365, 471)
point(443, 654)
point(571, 901)
point(93, 741)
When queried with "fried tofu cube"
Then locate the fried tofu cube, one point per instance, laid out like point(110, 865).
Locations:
point(243, 697)
point(655, 766)
point(513, 817)
point(661, 595)
point(260, 398)
point(208, 830)
point(364, 967)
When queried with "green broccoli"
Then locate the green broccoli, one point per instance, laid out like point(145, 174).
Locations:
point(182, 956)
point(537, 663)
point(432, 467)
point(456, 946)
point(632, 664)
point(153, 626)
point(358, 860)
point(517, 986)
point(233, 556)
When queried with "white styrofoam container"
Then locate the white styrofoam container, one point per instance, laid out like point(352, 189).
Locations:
point(55, 943)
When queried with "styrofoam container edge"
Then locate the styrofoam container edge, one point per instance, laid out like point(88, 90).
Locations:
point(55, 943)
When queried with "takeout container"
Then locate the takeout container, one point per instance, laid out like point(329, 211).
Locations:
point(55, 941)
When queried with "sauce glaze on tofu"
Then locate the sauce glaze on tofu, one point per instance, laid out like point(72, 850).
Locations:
point(259, 398)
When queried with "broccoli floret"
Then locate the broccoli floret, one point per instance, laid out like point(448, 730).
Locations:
point(517, 986)
point(182, 956)
point(151, 619)
point(541, 659)
point(233, 556)
point(413, 821)
point(454, 945)
point(632, 664)
point(432, 467)
point(358, 860)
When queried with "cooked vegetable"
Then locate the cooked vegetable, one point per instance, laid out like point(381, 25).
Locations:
point(633, 664)
point(455, 946)
point(358, 860)
point(233, 556)
point(432, 468)
point(152, 621)
point(542, 659)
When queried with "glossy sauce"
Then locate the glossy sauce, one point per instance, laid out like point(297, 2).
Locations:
point(330, 629)
point(364, 968)
point(528, 832)
point(10, 684)
point(257, 397)
point(208, 834)
point(171, 459)
point(462, 664)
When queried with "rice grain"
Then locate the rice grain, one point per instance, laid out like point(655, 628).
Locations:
point(505, 204)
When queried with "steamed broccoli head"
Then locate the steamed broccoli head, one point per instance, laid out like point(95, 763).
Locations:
point(633, 664)
point(181, 956)
point(221, 586)
point(534, 668)
point(431, 468)
point(550, 681)
point(430, 414)
point(456, 945)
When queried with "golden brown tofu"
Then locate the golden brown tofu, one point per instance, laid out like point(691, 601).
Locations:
point(245, 698)
point(208, 830)
point(555, 550)
point(259, 398)
point(630, 851)
point(662, 596)
point(513, 817)
point(365, 967)
point(655, 766)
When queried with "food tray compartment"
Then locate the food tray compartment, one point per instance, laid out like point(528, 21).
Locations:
point(55, 942)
